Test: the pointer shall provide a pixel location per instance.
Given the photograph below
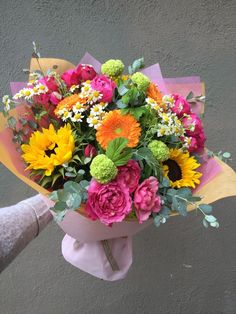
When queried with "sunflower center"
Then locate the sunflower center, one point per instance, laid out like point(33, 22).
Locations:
point(49, 151)
point(175, 172)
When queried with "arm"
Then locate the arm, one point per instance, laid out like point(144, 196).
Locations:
point(21, 223)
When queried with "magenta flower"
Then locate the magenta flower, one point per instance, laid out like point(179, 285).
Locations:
point(105, 86)
point(50, 83)
point(130, 174)
point(181, 106)
point(55, 98)
point(41, 99)
point(90, 151)
point(146, 199)
point(193, 124)
point(85, 72)
point(70, 77)
point(109, 202)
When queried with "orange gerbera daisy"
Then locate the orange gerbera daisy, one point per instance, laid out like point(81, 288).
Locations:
point(69, 102)
point(154, 93)
point(114, 125)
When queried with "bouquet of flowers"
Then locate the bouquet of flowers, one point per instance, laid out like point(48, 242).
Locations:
point(114, 151)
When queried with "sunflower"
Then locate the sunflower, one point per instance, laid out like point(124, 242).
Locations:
point(69, 102)
point(180, 169)
point(114, 125)
point(49, 148)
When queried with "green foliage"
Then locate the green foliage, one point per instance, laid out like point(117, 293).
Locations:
point(147, 162)
point(136, 65)
point(70, 197)
point(118, 152)
point(136, 112)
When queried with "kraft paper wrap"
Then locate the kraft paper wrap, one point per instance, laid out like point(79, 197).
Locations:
point(218, 180)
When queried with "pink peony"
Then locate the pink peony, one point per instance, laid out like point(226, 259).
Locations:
point(85, 72)
point(70, 77)
point(146, 200)
point(90, 151)
point(181, 106)
point(130, 174)
point(105, 86)
point(109, 202)
point(50, 83)
point(193, 124)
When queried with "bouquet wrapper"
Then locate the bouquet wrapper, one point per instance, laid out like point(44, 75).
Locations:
point(106, 252)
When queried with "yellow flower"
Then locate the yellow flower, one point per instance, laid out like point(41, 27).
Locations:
point(49, 148)
point(180, 169)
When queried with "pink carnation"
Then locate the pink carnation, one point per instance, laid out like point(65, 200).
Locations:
point(85, 72)
point(181, 106)
point(70, 77)
point(130, 174)
point(197, 143)
point(90, 151)
point(146, 200)
point(55, 98)
point(105, 86)
point(109, 202)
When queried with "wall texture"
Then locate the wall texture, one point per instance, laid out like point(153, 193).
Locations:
point(181, 267)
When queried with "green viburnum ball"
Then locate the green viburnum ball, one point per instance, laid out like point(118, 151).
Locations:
point(141, 80)
point(112, 67)
point(103, 169)
point(159, 149)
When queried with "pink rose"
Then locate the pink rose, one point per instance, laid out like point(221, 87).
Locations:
point(109, 202)
point(130, 174)
point(70, 77)
point(105, 86)
point(50, 83)
point(146, 200)
point(85, 72)
point(181, 106)
point(193, 124)
point(90, 151)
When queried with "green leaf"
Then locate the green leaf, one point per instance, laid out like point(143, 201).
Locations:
point(11, 122)
point(122, 90)
point(55, 177)
point(59, 206)
point(53, 196)
point(72, 187)
point(120, 104)
point(59, 216)
point(215, 224)
point(115, 147)
point(210, 218)
point(205, 223)
point(70, 174)
point(190, 96)
point(194, 199)
point(184, 192)
point(207, 209)
point(226, 155)
point(74, 201)
point(157, 220)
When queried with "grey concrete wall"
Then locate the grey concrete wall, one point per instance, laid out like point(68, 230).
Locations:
point(187, 37)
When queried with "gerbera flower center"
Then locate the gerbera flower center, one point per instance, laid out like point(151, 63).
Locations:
point(175, 172)
point(118, 130)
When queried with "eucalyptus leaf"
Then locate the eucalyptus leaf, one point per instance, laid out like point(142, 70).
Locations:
point(205, 223)
point(207, 209)
point(210, 218)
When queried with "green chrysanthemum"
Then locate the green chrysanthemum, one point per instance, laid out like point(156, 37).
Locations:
point(141, 80)
point(112, 68)
point(159, 149)
point(103, 169)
